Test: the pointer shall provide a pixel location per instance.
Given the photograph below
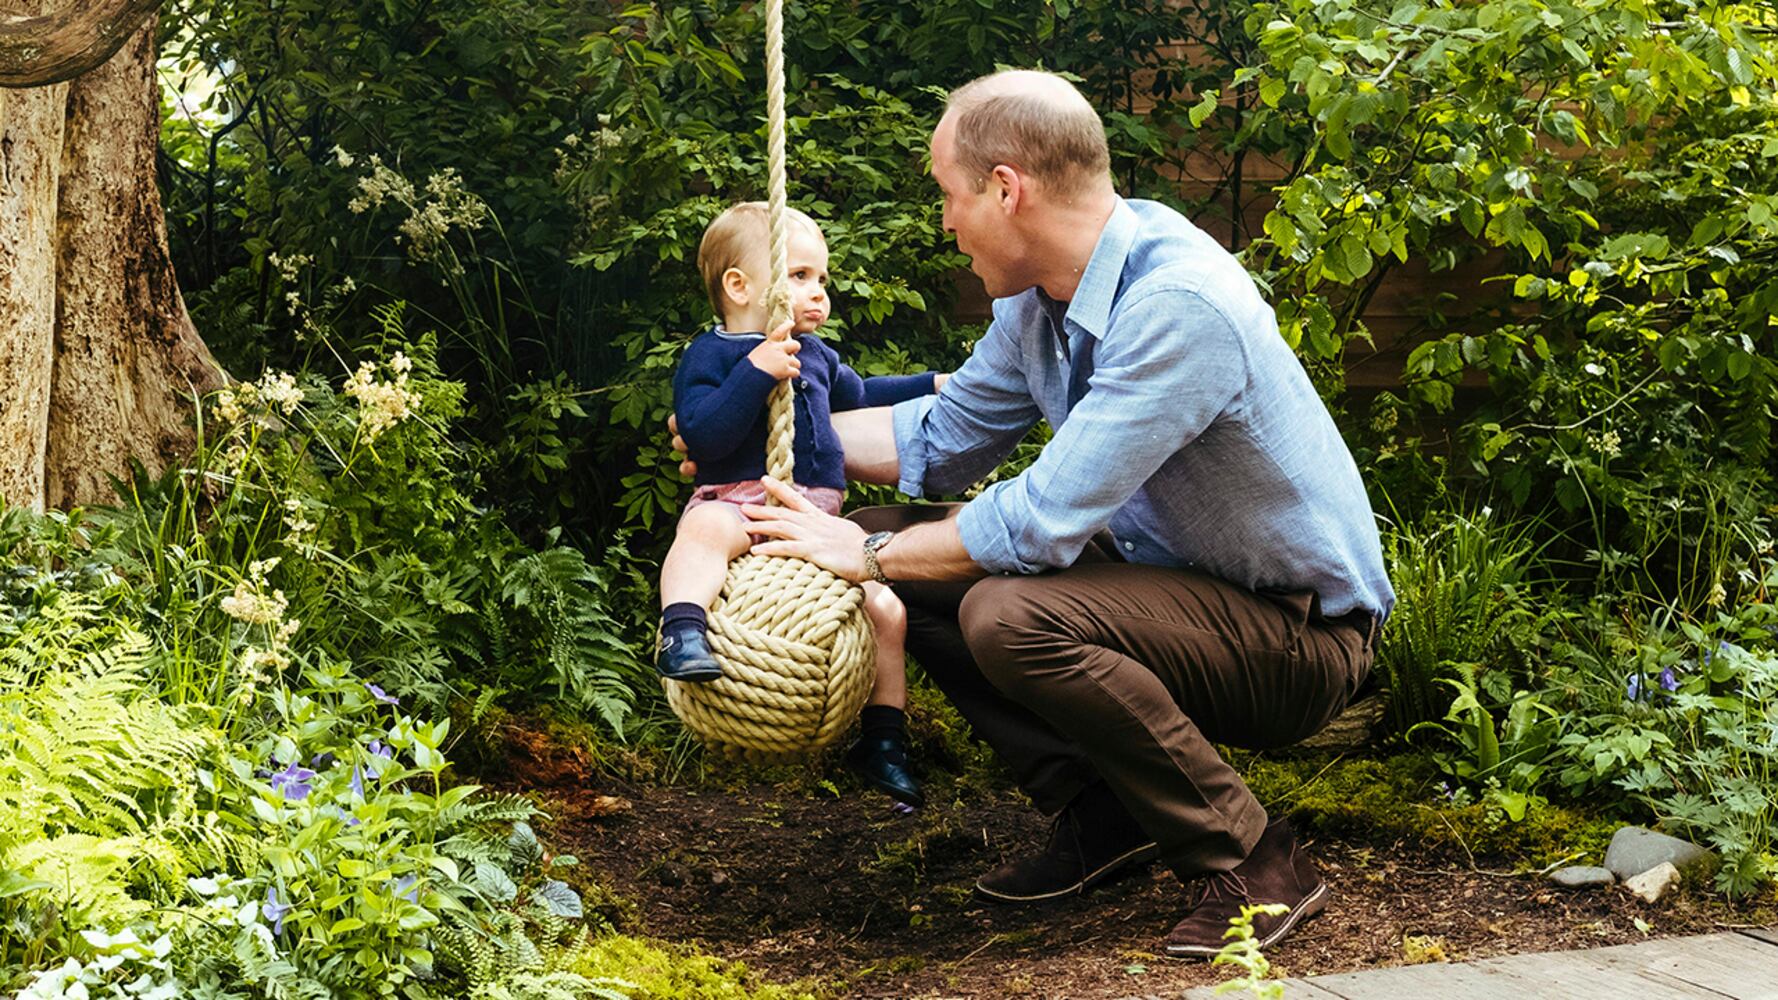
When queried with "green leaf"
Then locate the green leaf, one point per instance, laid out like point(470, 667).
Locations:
point(1205, 107)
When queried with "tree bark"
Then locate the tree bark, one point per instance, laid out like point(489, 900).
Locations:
point(38, 49)
point(99, 361)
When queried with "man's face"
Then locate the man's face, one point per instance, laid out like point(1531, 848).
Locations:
point(974, 216)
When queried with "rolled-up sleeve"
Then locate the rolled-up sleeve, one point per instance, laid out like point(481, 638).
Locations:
point(1172, 365)
point(948, 442)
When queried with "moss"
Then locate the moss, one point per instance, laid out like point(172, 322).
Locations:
point(659, 971)
point(1397, 797)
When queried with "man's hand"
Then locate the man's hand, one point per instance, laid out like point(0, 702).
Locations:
point(776, 355)
point(799, 529)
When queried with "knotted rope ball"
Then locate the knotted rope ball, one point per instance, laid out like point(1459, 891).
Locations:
point(794, 642)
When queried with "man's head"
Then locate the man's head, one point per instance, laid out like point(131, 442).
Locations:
point(1017, 141)
point(734, 260)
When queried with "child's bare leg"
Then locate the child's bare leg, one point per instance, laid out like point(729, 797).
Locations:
point(709, 536)
point(881, 752)
point(889, 618)
point(691, 577)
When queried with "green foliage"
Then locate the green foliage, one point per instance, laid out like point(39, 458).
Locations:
point(1681, 715)
point(308, 849)
point(1243, 952)
point(1462, 608)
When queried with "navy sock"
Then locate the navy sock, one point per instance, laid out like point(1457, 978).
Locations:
point(883, 720)
point(683, 611)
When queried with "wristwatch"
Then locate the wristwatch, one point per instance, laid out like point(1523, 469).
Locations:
point(872, 543)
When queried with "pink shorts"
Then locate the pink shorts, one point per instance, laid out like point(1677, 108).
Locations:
point(825, 498)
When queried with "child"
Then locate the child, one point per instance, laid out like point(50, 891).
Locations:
point(720, 397)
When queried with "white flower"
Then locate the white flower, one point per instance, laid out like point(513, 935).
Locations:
point(342, 158)
point(228, 406)
point(382, 405)
point(279, 391)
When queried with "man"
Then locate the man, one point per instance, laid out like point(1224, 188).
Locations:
point(1191, 560)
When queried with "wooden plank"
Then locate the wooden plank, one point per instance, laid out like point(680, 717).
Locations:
point(1730, 964)
point(1592, 975)
point(1294, 989)
point(1469, 981)
point(1767, 934)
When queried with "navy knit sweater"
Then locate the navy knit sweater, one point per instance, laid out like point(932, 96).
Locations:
point(720, 398)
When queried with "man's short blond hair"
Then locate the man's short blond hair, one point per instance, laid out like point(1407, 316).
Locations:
point(1047, 130)
point(741, 237)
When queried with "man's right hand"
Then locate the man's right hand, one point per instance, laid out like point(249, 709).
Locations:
point(776, 355)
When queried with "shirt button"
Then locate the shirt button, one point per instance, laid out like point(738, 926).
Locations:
point(1129, 546)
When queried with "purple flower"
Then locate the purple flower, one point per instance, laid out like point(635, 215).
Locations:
point(293, 781)
point(1669, 680)
point(381, 695)
point(377, 747)
point(373, 766)
point(902, 809)
point(1633, 687)
point(357, 781)
point(408, 888)
point(274, 910)
point(346, 817)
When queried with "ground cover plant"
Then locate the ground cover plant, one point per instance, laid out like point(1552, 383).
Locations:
point(444, 249)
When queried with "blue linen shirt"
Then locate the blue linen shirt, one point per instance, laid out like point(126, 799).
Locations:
point(1183, 423)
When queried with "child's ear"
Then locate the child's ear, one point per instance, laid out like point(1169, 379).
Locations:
point(735, 288)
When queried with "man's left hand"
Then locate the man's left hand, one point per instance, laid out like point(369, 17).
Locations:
point(798, 529)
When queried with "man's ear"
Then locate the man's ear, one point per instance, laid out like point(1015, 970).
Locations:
point(735, 287)
point(1009, 186)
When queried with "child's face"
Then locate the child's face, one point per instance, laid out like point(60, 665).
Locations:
point(809, 305)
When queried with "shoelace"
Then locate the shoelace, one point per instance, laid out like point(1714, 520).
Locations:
point(1216, 884)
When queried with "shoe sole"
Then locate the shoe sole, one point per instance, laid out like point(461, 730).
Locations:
point(1311, 905)
point(1137, 855)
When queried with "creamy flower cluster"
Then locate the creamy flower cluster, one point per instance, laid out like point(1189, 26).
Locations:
point(254, 603)
point(441, 206)
point(382, 404)
point(274, 392)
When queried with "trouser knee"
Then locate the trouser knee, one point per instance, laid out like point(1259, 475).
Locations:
point(1012, 637)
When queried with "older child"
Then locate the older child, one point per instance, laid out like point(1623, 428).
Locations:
point(719, 395)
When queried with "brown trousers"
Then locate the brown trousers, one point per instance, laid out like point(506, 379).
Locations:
point(1129, 674)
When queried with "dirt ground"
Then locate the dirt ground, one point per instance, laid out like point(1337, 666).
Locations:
point(846, 890)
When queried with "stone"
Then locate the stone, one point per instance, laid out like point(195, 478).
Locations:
point(1635, 850)
point(1651, 885)
point(1582, 876)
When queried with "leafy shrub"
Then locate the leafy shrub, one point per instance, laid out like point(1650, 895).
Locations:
point(1462, 604)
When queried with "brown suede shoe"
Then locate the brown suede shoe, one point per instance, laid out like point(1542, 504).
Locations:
point(1277, 871)
point(1091, 840)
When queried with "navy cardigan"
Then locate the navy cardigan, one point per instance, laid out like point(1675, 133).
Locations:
point(720, 399)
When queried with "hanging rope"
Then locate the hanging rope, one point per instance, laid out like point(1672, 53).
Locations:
point(795, 644)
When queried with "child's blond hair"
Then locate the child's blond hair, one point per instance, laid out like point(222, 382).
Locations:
point(740, 238)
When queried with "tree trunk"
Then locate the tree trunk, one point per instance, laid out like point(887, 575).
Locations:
point(99, 361)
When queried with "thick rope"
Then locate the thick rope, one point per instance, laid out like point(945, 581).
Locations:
point(795, 644)
point(781, 429)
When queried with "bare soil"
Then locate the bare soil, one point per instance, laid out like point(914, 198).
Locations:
point(847, 892)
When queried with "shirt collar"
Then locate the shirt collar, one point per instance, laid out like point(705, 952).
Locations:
point(1090, 310)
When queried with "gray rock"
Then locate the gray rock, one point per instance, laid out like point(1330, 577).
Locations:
point(1651, 885)
point(1582, 876)
point(1635, 850)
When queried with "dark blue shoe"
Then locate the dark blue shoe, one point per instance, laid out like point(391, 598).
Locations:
point(684, 654)
point(883, 762)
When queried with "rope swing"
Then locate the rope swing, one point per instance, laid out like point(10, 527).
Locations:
point(794, 641)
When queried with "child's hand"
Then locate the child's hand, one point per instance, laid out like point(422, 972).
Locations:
point(776, 355)
point(939, 380)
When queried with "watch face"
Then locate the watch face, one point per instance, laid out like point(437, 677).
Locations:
point(878, 540)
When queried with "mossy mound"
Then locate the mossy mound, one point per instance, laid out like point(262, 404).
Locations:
point(1398, 797)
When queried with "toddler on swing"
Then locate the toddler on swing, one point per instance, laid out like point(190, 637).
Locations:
point(720, 395)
